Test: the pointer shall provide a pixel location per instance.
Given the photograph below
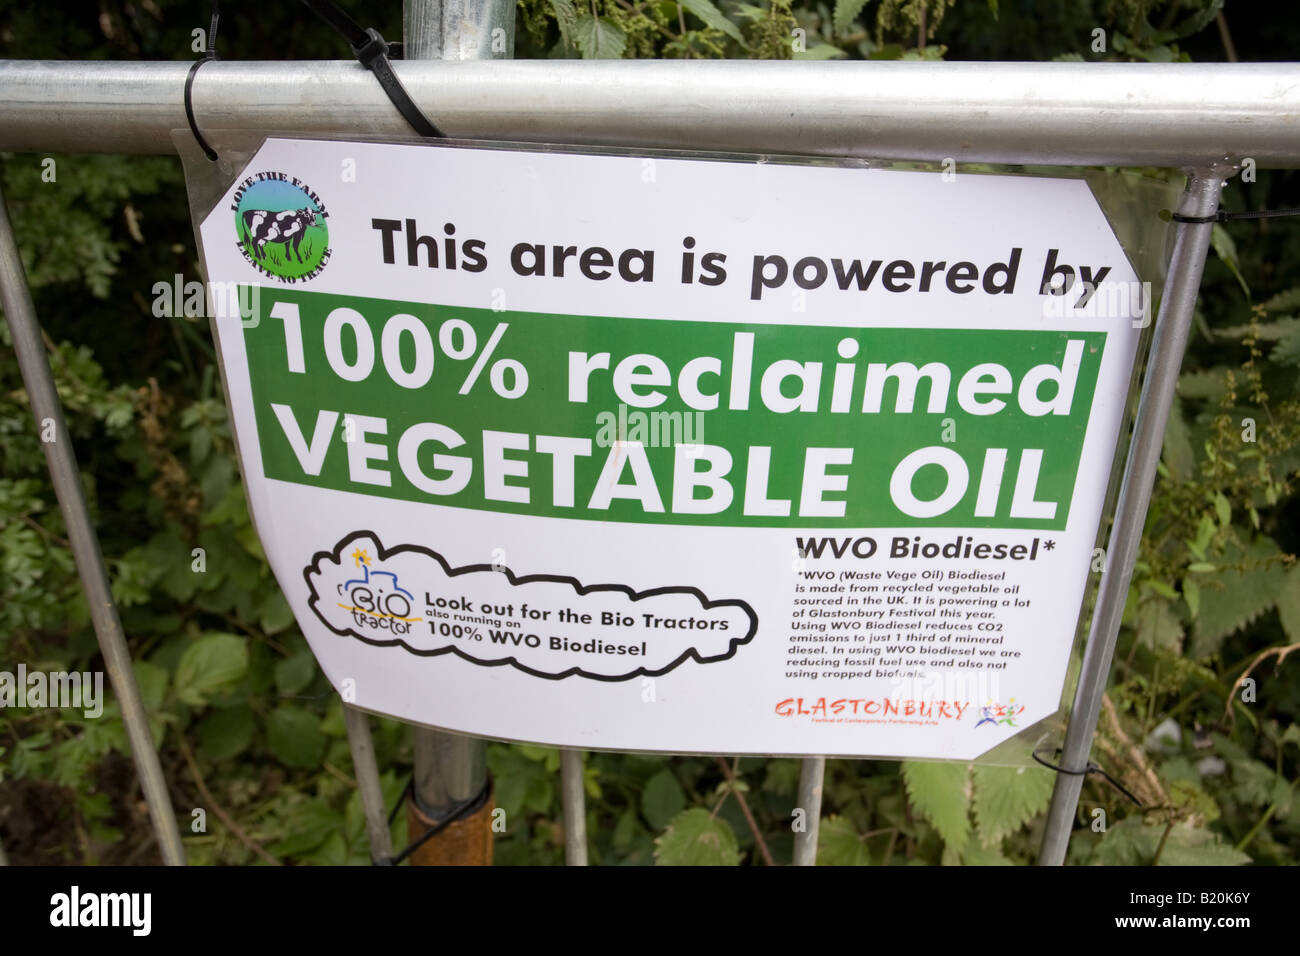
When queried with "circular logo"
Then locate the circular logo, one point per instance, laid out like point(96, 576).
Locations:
point(281, 227)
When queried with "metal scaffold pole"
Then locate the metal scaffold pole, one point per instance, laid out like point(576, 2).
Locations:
point(1067, 114)
point(1191, 243)
point(812, 776)
point(362, 745)
point(575, 807)
point(451, 770)
point(62, 463)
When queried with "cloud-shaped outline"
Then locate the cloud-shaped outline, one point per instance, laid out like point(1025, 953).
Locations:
point(689, 654)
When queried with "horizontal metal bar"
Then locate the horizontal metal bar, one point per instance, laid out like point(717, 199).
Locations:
point(1167, 114)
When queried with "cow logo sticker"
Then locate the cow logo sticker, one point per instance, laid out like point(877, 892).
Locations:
point(281, 226)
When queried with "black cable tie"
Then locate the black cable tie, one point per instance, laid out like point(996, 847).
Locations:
point(210, 54)
point(1091, 768)
point(465, 809)
point(373, 51)
point(401, 798)
point(1222, 216)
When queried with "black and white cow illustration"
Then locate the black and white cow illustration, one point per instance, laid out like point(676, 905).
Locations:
point(286, 227)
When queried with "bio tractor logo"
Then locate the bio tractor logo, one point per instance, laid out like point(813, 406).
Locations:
point(550, 626)
point(280, 227)
point(375, 599)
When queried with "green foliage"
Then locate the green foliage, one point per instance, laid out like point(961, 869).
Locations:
point(598, 39)
point(940, 792)
point(245, 720)
point(694, 838)
point(1006, 798)
point(208, 666)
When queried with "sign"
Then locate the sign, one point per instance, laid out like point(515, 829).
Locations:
point(610, 451)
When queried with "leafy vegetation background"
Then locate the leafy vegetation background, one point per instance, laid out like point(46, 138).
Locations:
point(249, 729)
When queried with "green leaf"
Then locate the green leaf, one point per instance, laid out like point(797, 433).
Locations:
point(846, 11)
point(1192, 846)
point(782, 776)
point(1288, 603)
point(713, 17)
point(1127, 843)
point(152, 681)
point(1226, 250)
point(1008, 797)
point(1157, 625)
point(566, 17)
point(1177, 453)
point(522, 785)
point(1287, 351)
point(312, 822)
point(975, 853)
point(275, 613)
point(694, 838)
point(1264, 331)
point(1284, 301)
point(1204, 383)
point(332, 723)
point(1244, 595)
point(598, 39)
point(838, 844)
point(210, 665)
point(820, 51)
point(662, 798)
point(226, 732)
point(332, 852)
point(1292, 735)
point(1252, 781)
point(938, 791)
point(295, 736)
point(1222, 510)
point(295, 672)
point(1192, 594)
point(1161, 588)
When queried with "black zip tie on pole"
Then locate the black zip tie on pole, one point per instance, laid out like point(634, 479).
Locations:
point(465, 809)
point(373, 50)
point(210, 54)
point(1222, 216)
point(401, 798)
point(1091, 768)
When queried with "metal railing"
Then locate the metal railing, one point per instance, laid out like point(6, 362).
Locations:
point(1066, 114)
point(1205, 119)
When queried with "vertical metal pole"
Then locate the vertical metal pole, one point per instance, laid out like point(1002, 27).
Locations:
point(574, 799)
point(458, 30)
point(1191, 243)
point(62, 463)
point(450, 769)
point(367, 773)
point(812, 774)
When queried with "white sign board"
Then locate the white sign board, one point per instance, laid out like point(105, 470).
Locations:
point(636, 453)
